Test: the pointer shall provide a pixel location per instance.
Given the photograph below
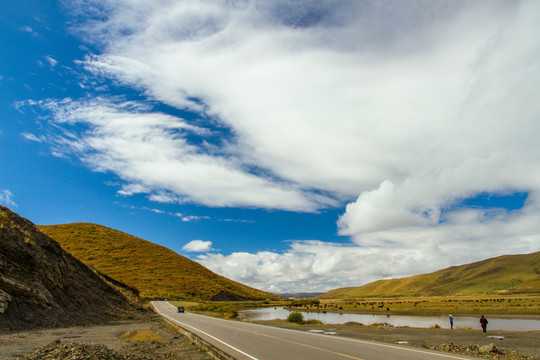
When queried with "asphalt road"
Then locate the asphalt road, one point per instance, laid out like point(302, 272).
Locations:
point(244, 340)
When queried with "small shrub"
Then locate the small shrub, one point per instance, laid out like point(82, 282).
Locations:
point(295, 317)
point(141, 335)
point(313, 322)
point(225, 310)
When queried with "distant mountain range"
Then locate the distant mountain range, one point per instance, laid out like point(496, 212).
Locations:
point(508, 274)
point(301, 295)
point(155, 271)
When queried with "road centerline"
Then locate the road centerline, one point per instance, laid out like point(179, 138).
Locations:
point(282, 342)
point(292, 342)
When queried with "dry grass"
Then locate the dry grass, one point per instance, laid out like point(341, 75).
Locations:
point(509, 274)
point(155, 271)
point(526, 305)
point(141, 335)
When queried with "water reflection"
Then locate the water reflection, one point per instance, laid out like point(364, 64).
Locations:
point(395, 320)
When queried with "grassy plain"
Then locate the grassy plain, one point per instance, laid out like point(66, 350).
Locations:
point(500, 305)
point(224, 309)
point(528, 305)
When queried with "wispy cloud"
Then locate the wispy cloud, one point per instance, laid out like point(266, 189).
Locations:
point(32, 137)
point(6, 198)
point(29, 30)
point(190, 218)
point(184, 217)
point(238, 220)
point(152, 153)
point(52, 62)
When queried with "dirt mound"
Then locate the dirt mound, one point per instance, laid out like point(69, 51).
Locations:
point(82, 351)
point(41, 285)
point(58, 351)
point(489, 351)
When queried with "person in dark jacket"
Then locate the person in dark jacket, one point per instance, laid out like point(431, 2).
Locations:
point(451, 318)
point(483, 322)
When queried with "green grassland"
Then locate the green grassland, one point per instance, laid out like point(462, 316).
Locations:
point(507, 284)
point(155, 271)
point(503, 275)
point(514, 305)
point(500, 305)
point(225, 309)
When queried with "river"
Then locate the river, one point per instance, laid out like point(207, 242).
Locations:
point(395, 320)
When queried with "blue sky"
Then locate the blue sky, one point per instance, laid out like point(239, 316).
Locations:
point(288, 145)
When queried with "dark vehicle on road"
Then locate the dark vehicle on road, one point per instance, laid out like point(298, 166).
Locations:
point(181, 309)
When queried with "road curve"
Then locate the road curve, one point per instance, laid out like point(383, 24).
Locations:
point(244, 341)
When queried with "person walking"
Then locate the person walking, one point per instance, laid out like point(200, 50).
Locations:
point(451, 321)
point(483, 322)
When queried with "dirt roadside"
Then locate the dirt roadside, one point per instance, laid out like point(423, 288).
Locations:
point(509, 345)
point(524, 343)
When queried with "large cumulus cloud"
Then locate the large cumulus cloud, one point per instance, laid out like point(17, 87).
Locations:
point(400, 110)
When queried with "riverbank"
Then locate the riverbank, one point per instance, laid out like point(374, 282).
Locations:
point(411, 313)
point(512, 345)
point(414, 320)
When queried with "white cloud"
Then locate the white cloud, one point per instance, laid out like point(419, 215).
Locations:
point(52, 62)
point(317, 266)
point(29, 30)
point(378, 209)
point(324, 107)
point(194, 218)
point(151, 152)
point(238, 220)
point(406, 108)
point(32, 137)
point(6, 198)
point(198, 246)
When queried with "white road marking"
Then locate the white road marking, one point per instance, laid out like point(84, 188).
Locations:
point(402, 348)
point(210, 336)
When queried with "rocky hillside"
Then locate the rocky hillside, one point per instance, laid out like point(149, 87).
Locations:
point(155, 271)
point(508, 274)
point(41, 285)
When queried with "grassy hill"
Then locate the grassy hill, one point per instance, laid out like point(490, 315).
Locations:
point(506, 274)
point(155, 271)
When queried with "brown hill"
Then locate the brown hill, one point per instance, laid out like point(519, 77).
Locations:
point(41, 285)
point(154, 270)
point(506, 274)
